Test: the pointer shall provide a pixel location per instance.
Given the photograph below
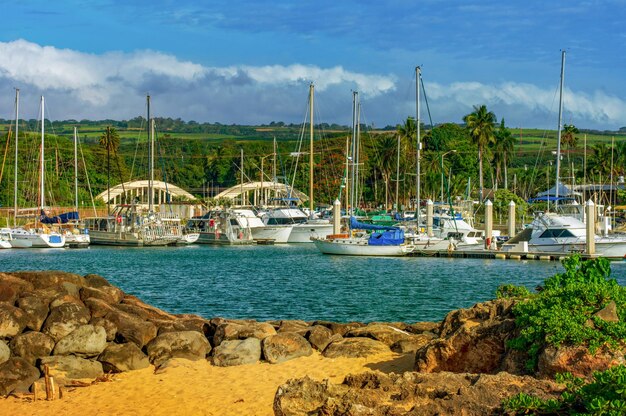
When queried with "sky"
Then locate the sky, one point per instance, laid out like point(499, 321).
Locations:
point(251, 62)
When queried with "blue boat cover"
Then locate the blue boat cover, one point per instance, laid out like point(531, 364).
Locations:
point(356, 225)
point(58, 219)
point(386, 238)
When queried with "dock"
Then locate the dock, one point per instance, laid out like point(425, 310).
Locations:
point(500, 255)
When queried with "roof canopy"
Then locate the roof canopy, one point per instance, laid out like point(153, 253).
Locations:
point(141, 187)
point(273, 190)
point(564, 191)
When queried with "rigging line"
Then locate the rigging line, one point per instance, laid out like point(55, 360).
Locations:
point(93, 202)
point(426, 101)
point(164, 173)
point(6, 150)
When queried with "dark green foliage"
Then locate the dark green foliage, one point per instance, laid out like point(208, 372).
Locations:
point(512, 291)
point(561, 313)
point(604, 395)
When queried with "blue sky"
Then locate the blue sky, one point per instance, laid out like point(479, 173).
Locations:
point(251, 62)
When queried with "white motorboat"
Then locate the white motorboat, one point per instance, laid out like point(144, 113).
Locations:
point(222, 227)
point(300, 227)
point(36, 238)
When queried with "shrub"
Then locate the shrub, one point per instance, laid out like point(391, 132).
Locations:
point(512, 291)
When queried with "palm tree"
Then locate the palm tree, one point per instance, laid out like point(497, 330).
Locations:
point(480, 125)
point(110, 141)
point(504, 145)
point(384, 158)
point(408, 129)
point(600, 162)
point(568, 136)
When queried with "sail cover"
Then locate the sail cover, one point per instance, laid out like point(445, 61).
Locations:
point(386, 238)
point(356, 225)
point(58, 219)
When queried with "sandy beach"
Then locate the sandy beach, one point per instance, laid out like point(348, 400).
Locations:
point(199, 388)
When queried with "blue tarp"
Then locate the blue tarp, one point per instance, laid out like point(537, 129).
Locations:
point(550, 198)
point(59, 219)
point(386, 238)
point(355, 225)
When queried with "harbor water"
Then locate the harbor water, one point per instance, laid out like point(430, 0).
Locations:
point(292, 281)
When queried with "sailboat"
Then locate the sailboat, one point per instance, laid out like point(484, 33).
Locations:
point(557, 233)
point(37, 235)
point(384, 241)
point(129, 225)
point(302, 226)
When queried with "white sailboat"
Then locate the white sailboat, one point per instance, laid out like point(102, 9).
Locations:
point(37, 235)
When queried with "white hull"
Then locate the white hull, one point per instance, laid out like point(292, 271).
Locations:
point(224, 239)
point(189, 238)
point(302, 233)
point(279, 233)
point(77, 240)
point(359, 247)
point(606, 248)
point(5, 244)
point(128, 239)
point(23, 238)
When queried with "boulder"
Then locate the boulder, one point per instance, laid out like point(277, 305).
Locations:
point(123, 357)
point(412, 344)
point(299, 327)
point(65, 298)
point(12, 287)
point(109, 327)
point(17, 375)
point(339, 328)
point(191, 345)
point(84, 341)
point(141, 308)
point(12, 320)
point(31, 346)
point(319, 337)
point(420, 327)
point(354, 348)
point(237, 352)
point(608, 313)
point(36, 311)
point(108, 294)
point(68, 369)
point(44, 279)
point(98, 307)
point(95, 280)
point(64, 319)
point(242, 330)
point(407, 394)
point(285, 346)
point(576, 360)
point(386, 334)
point(471, 340)
point(131, 328)
point(5, 351)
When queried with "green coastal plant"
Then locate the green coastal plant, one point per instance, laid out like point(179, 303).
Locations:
point(604, 395)
point(562, 313)
point(512, 291)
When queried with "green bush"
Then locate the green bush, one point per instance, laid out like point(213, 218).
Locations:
point(562, 312)
point(512, 291)
point(604, 395)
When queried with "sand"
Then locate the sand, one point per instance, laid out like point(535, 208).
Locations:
point(199, 388)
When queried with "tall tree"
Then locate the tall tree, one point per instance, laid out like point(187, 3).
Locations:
point(480, 125)
point(503, 147)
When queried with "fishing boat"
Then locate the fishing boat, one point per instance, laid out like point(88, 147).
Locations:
point(221, 227)
point(262, 232)
point(5, 238)
point(132, 224)
point(297, 225)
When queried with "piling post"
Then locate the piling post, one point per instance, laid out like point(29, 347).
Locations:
point(488, 223)
point(429, 218)
point(511, 219)
point(591, 225)
point(336, 216)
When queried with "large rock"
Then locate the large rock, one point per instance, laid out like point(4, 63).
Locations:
point(421, 327)
point(577, 361)
point(84, 341)
point(319, 337)
point(5, 351)
point(339, 328)
point(98, 307)
point(299, 327)
point(285, 346)
point(12, 287)
point(64, 319)
point(68, 369)
point(242, 330)
point(386, 334)
point(237, 352)
point(354, 348)
point(97, 281)
point(412, 344)
point(36, 310)
point(377, 394)
point(191, 345)
point(65, 298)
point(140, 308)
point(32, 345)
point(44, 279)
point(131, 328)
point(17, 375)
point(109, 327)
point(471, 340)
point(12, 320)
point(123, 357)
point(108, 294)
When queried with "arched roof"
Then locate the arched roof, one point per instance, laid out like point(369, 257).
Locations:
point(117, 190)
point(279, 189)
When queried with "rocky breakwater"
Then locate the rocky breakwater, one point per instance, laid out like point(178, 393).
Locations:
point(78, 328)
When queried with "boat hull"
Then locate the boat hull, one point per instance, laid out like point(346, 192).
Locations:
point(278, 233)
point(223, 239)
point(302, 233)
point(127, 239)
point(359, 247)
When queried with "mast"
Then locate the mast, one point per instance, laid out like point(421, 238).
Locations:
point(42, 198)
point(355, 98)
point(17, 118)
point(419, 144)
point(150, 127)
point(357, 158)
point(75, 169)
point(558, 142)
point(311, 98)
point(241, 182)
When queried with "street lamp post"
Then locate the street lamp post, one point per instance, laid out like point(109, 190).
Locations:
point(442, 155)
